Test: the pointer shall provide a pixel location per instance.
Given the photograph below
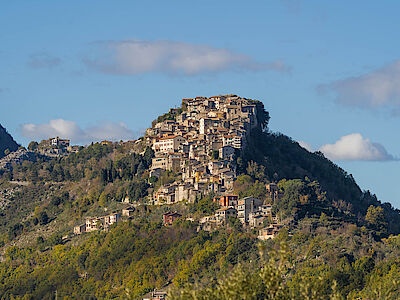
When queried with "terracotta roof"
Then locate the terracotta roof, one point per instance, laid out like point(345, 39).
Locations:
point(168, 137)
point(172, 214)
point(225, 208)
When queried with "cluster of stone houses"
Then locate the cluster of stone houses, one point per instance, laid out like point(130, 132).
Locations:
point(200, 144)
point(250, 211)
point(102, 223)
point(56, 147)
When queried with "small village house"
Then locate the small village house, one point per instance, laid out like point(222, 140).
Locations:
point(269, 232)
point(170, 217)
point(223, 214)
point(80, 229)
point(155, 295)
point(128, 212)
point(226, 200)
point(246, 206)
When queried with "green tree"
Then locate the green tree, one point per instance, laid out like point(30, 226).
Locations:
point(43, 218)
point(33, 146)
point(375, 218)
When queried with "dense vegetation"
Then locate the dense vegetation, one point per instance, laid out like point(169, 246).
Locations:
point(136, 256)
point(318, 258)
point(322, 259)
point(70, 188)
point(273, 157)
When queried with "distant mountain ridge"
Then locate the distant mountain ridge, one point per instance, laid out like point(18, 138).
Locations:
point(6, 142)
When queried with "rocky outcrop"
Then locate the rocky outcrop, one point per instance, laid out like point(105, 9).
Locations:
point(17, 157)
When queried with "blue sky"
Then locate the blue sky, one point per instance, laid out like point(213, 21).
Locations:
point(328, 71)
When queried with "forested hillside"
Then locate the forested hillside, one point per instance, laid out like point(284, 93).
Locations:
point(274, 156)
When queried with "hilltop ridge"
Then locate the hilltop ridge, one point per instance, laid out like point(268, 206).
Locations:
point(6, 142)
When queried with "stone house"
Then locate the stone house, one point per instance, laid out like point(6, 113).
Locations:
point(155, 295)
point(232, 140)
point(128, 212)
point(111, 219)
point(170, 217)
point(246, 206)
point(269, 232)
point(80, 229)
point(168, 144)
point(186, 191)
point(226, 200)
point(167, 162)
point(223, 214)
point(93, 224)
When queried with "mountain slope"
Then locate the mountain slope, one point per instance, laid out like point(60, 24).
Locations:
point(283, 158)
point(6, 142)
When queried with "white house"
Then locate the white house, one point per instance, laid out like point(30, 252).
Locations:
point(168, 144)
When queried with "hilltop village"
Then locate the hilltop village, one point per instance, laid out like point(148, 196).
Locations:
point(200, 142)
point(50, 148)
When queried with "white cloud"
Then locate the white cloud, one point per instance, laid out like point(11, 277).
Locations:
point(110, 131)
point(305, 145)
point(69, 129)
point(43, 61)
point(136, 56)
point(379, 88)
point(355, 147)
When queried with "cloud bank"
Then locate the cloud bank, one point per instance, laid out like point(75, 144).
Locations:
point(355, 147)
point(43, 61)
point(69, 129)
point(137, 56)
point(377, 89)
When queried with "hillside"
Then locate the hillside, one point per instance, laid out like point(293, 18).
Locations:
point(6, 142)
point(282, 158)
point(310, 231)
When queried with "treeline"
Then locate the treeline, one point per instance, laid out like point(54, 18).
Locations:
point(89, 163)
point(128, 167)
point(83, 164)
